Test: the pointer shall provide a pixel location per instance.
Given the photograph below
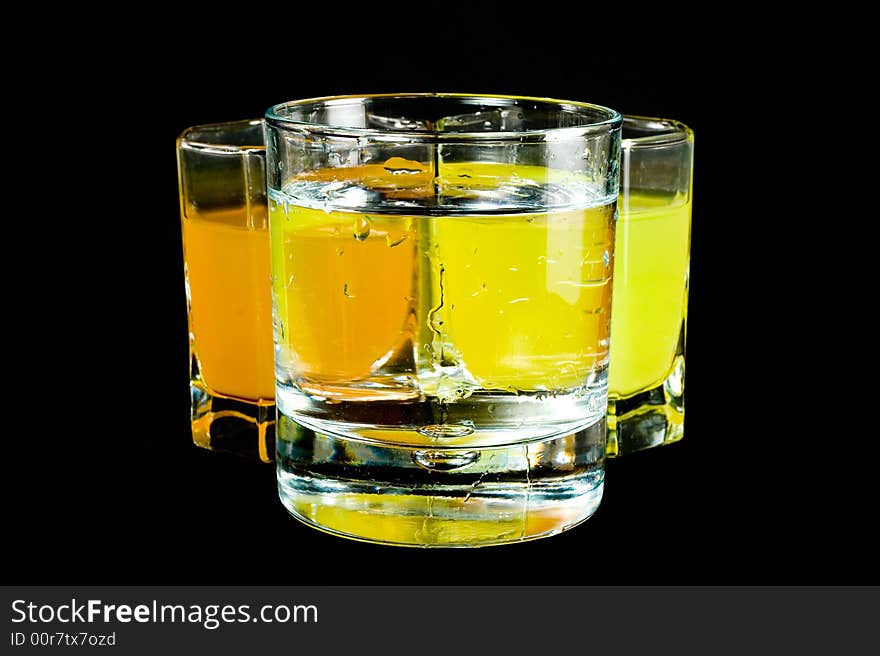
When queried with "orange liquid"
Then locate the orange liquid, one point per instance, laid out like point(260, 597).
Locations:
point(230, 302)
point(344, 302)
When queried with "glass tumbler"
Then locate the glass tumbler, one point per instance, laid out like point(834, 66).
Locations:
point(646, 384)
point(221, 172)
point(442, 276)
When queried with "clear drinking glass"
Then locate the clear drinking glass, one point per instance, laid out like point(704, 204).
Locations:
point(441, 271)
point(652, 256)
point(224, 220)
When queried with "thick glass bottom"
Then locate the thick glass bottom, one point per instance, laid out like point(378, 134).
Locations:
point(430, 496)
point(222, 423)
point(651, 418)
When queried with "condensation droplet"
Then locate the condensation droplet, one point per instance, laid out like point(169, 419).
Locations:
point(340, 251)
point(361, 228)
point(393, 242)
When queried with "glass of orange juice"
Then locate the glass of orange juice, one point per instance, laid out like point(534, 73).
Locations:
point(224, 218)
point(651, 268)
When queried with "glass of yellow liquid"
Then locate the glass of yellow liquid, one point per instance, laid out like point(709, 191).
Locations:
point(652, 255)
point(224, 218)
point(442, 277)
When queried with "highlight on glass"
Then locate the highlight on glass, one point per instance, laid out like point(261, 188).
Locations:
point(651, 269)
point(224, 219)
point(441, 284)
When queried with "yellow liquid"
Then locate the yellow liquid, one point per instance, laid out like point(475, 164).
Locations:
point(526, 299)
point(650, 290)
point(415, 521)
point(230, 315)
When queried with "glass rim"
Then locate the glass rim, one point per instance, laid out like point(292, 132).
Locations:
point(670, 132)
point(185, 141)
point(612, 120)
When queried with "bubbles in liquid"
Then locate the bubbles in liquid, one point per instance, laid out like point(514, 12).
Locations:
point(361, 228)
point(440, 431)
point(445, 460)
point(401, 166)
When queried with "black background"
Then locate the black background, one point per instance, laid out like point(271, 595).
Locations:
point(104, 485)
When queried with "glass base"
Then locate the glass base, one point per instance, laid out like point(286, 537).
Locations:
point(231, 425)
point(648, 419)
point(428, 496)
